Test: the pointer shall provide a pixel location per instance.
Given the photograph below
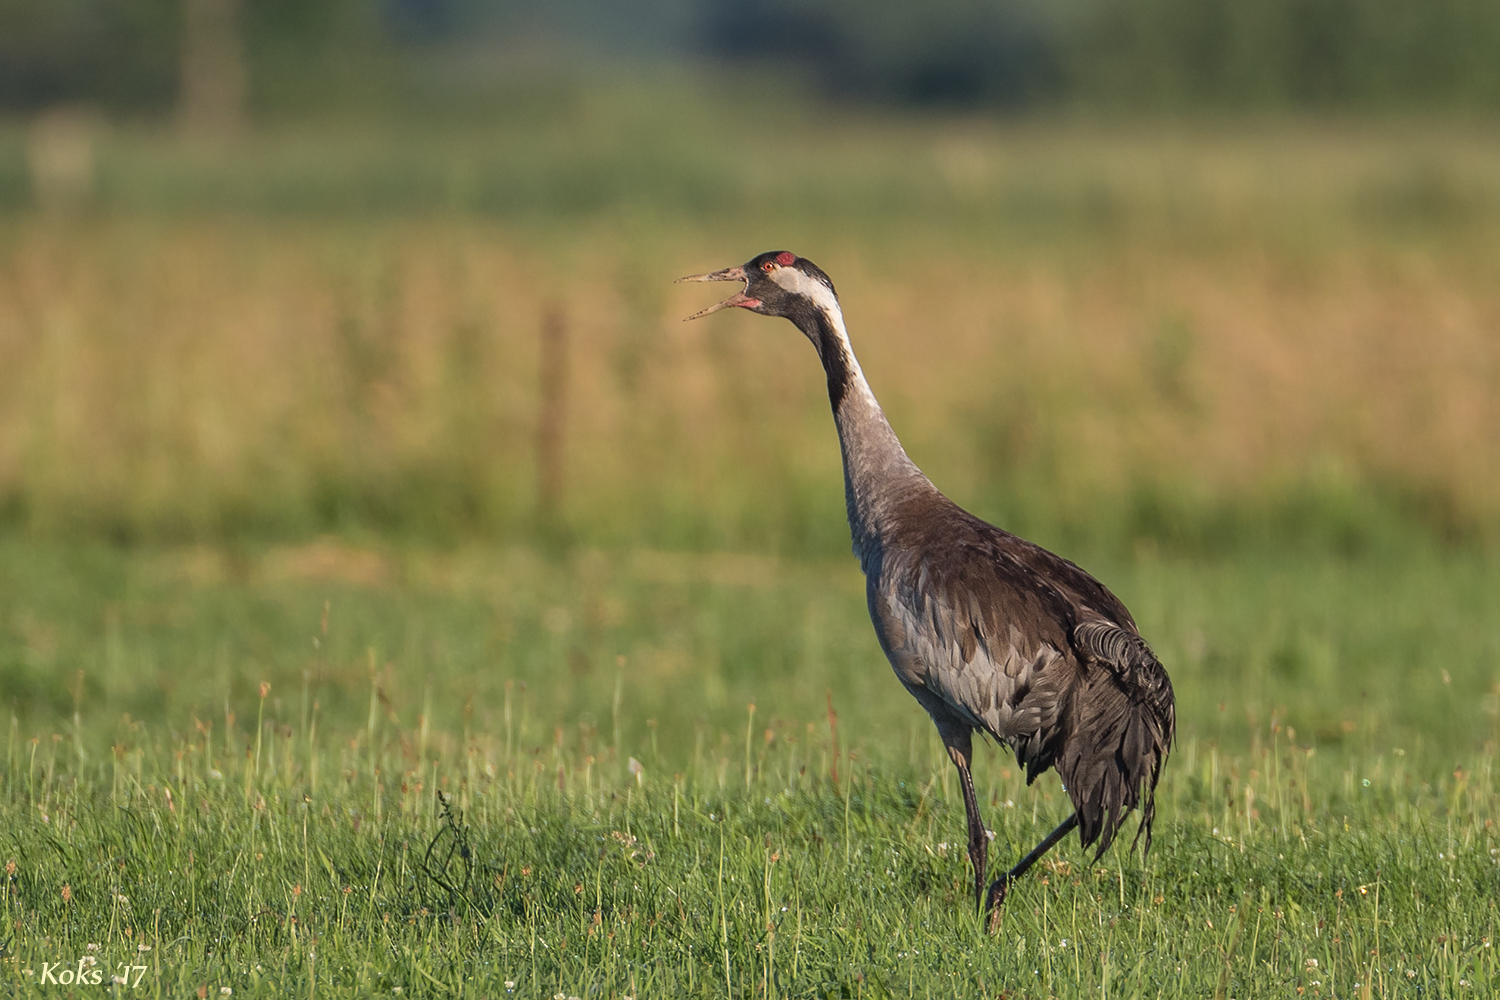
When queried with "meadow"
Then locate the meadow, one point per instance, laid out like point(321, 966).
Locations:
point(397, 598)
point(346, 771)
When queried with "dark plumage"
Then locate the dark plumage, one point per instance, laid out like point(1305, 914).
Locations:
point(986, 630)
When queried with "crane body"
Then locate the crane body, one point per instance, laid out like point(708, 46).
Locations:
point(988, 631)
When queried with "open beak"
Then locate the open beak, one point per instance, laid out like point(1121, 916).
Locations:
point(737, 299)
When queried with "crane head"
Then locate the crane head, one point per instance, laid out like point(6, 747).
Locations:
point(777, 283)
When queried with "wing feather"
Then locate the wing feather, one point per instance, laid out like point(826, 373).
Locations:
point(998, 634)
point(979, 630)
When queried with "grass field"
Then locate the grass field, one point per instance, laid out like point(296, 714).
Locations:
point(636, 828)
point(308, 696)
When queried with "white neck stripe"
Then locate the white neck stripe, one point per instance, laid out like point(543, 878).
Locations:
point(823, 299)
point(794, 280)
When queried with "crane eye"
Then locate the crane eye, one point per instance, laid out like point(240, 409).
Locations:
point(768, 266)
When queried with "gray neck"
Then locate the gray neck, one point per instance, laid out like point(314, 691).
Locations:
point(878, 475)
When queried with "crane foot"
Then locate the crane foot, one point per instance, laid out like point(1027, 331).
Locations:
point(994, 898)
point(1001, 885)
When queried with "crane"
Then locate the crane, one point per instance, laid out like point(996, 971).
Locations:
point(988, 631)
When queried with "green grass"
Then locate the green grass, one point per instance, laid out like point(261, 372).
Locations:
point(743, 877)
point(295, 843)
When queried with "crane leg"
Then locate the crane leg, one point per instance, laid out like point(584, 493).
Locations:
point(1001, 885)
point(960, 750)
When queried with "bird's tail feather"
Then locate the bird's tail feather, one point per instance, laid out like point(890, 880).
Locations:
point(1124, 724)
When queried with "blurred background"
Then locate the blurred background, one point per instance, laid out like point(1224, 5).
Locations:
point(279, 268)
point(287, 286)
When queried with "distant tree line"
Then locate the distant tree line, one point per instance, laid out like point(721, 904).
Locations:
point(127, 55)
point(1143, 53)
point(1298, 53)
